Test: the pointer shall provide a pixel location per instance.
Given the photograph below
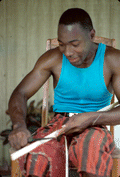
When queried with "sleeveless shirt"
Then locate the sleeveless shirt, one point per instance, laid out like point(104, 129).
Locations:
point(82, 89)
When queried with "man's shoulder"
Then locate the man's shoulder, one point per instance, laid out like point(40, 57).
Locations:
point(52, 55)
point(112, 52)
point(50, 59)
point(112, 57)
point(54, 58)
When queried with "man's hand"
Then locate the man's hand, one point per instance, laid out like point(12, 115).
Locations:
point(79, 122)
point(18, 138)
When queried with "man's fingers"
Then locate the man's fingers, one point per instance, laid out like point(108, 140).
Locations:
point(19, 139)
point(14, 141)
point(24, 140)
point(73, 130)
point(65, 130)
point(11, 141)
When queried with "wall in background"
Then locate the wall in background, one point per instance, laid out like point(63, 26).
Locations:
point(24, 28)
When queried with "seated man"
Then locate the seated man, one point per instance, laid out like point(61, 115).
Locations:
point(85, 74)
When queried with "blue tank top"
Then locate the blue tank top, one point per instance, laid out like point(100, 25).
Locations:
point(82, 89)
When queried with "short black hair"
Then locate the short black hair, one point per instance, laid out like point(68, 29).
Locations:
point(76, 15)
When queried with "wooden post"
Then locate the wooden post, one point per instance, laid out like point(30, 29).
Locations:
point(116, 168)
point(15, 172)
point(45, 94)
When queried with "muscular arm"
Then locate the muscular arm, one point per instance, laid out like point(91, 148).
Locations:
point(112, 117)
point(28, 87)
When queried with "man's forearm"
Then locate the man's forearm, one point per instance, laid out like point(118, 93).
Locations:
point(111, 117)
point(17, 109)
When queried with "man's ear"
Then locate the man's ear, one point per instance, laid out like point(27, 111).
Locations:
point(92, 34)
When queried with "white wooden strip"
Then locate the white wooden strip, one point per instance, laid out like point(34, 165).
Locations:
point(67, 158)
point(32, 146)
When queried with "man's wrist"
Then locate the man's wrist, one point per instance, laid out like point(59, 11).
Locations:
point(19, 124)
point(95, 122)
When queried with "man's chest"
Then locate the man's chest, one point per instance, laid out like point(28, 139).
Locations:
point(106, 75)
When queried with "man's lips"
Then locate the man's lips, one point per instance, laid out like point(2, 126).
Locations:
point(72, 60)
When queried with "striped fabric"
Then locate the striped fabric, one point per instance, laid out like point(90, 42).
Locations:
point(89, 151)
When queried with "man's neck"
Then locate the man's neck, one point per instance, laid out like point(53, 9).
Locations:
point(91, 56)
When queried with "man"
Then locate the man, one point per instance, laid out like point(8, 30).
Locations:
point(84, 76)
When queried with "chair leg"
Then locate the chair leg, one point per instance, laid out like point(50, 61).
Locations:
point(111, 174)
point(116, 168)
point(15, 172)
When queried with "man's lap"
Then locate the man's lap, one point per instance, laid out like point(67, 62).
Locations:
point(89, 151)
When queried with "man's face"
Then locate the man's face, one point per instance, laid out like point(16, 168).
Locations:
point(74, 43)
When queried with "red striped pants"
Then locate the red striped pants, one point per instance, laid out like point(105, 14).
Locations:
point(89, 151)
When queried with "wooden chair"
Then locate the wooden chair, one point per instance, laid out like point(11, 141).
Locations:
point(52, 43)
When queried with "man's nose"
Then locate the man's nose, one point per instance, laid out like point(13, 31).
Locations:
point(68, 51)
